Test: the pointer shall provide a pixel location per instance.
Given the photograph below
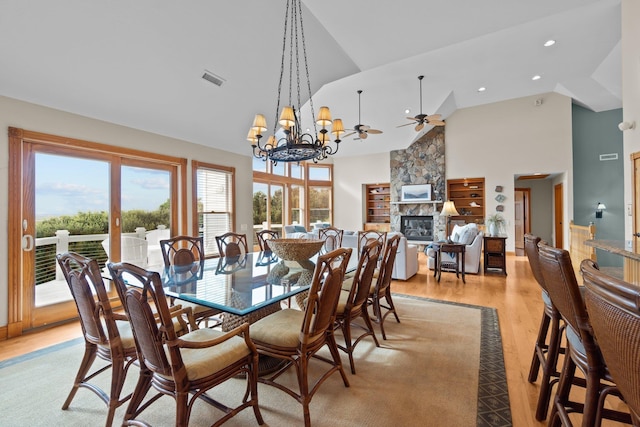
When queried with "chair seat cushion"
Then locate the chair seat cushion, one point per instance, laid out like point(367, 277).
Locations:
point(202, 362)
point(281, 328)
point(342, 302)
point(126, 334)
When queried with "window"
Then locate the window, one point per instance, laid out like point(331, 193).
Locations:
point(214, 203)
point(302, 196)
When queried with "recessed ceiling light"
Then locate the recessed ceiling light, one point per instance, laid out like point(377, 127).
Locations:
point(536, 77)
point(549, 43)
point(482, 89)
point(407, 111)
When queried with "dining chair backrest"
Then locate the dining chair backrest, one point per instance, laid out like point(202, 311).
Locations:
point(136, 288)
point(390, 250)
point(182, 250)
point(96, 315)
point(332, 238)
point(531, 249)
point(559, 277)
point(263, 239)
point(232, 244)
point(326, 285)
point(365, 236)
point(363, 277)
point(614, 310)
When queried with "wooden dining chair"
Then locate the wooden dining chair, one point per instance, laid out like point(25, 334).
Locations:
point(296, 336)
point(545, 355)
point(263, 239)
point(582, 349)
point(185, 367)
point(365, 236)
point(107, 334)
point(232, 244)
point(380, 292)
point(332, 238)
point(183, 252)
point(614, 310)
point(352, 304)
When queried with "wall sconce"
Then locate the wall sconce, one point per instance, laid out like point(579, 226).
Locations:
point(599, 209)
point(626, 126)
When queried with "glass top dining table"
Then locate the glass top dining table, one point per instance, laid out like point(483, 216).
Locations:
point(241, 285)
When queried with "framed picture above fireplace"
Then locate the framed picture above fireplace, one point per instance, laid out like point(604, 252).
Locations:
point(416, 193)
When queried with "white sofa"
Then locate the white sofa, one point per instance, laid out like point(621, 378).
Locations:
point(406, 263)
point(473, 250)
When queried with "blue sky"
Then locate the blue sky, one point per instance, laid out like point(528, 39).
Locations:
point(67, 185)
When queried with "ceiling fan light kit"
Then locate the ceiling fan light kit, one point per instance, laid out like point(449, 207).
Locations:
point(422, 119)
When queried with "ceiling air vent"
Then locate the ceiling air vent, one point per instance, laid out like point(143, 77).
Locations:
point(210, 77)
point(612, 156)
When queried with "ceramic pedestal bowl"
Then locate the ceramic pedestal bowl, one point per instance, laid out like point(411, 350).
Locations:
point(295, 249)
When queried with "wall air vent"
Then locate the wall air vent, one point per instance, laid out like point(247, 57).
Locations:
point(210, 77)
point(612, 156)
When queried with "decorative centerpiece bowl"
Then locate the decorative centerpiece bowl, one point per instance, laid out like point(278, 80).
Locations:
point(295, 249)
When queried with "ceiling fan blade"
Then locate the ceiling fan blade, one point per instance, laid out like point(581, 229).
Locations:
point(416, 119)
point(419, 126)
point(406, 124)
point(364, 135)
point(374, 131)
point(434, 117)
point(349, 134)
point(364, 128)
point(356, 139)
point(436, 122)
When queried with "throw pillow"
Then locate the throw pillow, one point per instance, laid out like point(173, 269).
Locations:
point(299, 229)
point(468, 233)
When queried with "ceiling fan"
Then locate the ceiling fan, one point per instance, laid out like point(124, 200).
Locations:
point(362, 130)
point(421, 119)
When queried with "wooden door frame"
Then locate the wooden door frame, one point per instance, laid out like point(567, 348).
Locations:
point(527, 208)
point(558, 214)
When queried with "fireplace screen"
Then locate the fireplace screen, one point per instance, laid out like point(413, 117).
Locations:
point(417, 227)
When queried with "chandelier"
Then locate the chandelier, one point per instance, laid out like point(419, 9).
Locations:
point(290, 143)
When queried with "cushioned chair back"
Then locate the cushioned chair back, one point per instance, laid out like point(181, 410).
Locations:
point(386, 264)
point(82, 274)
point(364, 275)
point(182, 250)
point(263, 239)
point(232, 244)
point(366, 236)
point(531, 249)
point(136, 287)
point(614, 310)
point(559, 277)
point(332, 238)
point(326, 285)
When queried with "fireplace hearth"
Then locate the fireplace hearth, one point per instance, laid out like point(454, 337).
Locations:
point(417, 227)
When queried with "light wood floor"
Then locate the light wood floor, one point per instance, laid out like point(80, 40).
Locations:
point(516, 298)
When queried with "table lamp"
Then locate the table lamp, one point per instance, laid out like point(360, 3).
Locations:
point(449, 210)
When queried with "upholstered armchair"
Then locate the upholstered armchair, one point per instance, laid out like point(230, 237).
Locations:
point(472, 237)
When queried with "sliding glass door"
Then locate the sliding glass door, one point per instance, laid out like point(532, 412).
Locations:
point(68, 197)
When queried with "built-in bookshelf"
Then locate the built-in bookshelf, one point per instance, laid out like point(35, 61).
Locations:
point(377, 200)
point(468, 196)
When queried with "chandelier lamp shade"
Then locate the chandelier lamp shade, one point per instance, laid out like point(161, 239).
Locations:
point(288, 142)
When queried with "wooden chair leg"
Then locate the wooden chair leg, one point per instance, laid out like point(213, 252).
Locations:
point(87, 360)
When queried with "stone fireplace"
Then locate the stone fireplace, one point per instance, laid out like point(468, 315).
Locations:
point(417, 227)
point(423, 162)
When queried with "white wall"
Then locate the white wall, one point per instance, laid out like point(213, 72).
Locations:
point(495, 141)
point(37, 118)
point(350, 174)
point(630, 96)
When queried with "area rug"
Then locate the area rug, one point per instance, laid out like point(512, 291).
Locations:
point(441, 366)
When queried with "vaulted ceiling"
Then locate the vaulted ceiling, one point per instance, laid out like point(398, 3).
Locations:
point(139, 63)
